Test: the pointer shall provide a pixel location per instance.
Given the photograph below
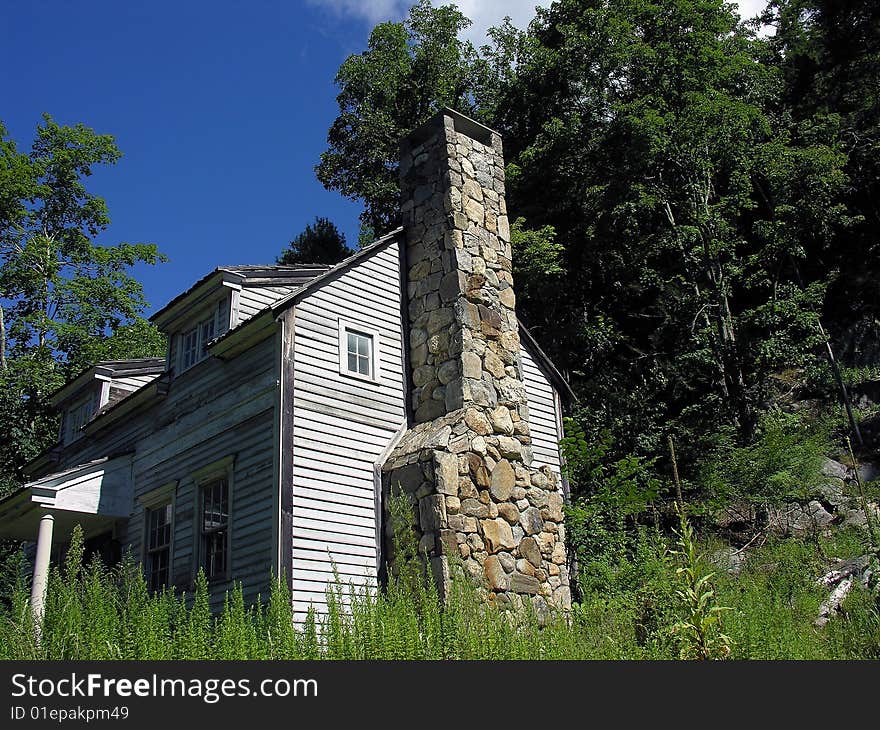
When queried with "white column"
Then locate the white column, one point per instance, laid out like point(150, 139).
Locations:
point(41, 567)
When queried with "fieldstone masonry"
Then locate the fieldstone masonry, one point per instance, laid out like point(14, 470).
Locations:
point(466, 464)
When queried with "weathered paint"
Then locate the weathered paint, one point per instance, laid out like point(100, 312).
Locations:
point(341, 426)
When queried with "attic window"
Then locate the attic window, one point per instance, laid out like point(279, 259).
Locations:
point(194, 342)
point(358, 355)
point(78, 416)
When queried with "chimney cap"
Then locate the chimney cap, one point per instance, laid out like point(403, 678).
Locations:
point(461, 123)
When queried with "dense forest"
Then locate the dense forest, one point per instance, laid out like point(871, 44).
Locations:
point(697, 205)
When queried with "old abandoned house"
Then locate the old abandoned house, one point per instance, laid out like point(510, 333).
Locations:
point(292, 398)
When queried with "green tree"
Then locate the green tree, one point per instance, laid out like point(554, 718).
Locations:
point(66, 301)
point(321, 243)
point(409, 70)
point(828, 53)
point(651, 137)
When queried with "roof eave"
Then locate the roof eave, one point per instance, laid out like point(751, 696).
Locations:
point(177, 306)
point(546, 364)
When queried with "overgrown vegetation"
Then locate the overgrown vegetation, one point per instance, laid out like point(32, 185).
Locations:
point(694, 244)
point(666, 603)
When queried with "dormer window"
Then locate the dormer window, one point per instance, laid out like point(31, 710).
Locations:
point(77, 417)
point(190, 350)
point(194, 341)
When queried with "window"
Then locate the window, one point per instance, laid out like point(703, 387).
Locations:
point(189, 348)
point(194, 343)
point(77, 417)
point(206, 335)
point(214, 549)
point(358, 354)
point(158, 551)
point(359, 348)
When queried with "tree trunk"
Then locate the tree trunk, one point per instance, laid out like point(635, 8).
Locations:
point(838, 377)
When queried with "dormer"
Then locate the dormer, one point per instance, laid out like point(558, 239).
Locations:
point(221, 301)
point(99, 388)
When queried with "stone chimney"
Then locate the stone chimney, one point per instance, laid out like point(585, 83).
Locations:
point(466, 461)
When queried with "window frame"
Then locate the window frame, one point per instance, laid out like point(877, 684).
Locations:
point(202, 479)
point(203, 329)
point(85, 406)
point(152, 551)
point(164, 496)
point(346, 328)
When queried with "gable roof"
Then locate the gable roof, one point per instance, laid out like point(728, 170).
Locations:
point(108, 369)
point(242, 276)
point(332, 273)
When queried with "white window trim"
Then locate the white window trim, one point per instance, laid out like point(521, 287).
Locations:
point(222, 468)
point(345, 327)
point(197, 323)
point(71, 434)
point(166, 494)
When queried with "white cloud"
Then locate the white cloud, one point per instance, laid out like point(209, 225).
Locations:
point(750, 8)
point(370, 11)
point(486, 13)
point(483, 13)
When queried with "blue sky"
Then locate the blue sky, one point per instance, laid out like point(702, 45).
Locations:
point(221, 110)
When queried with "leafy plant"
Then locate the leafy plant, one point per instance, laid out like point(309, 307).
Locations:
point(699, 631)
point(783, 462)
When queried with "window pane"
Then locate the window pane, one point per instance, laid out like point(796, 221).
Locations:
point(359, 353)
point(215, 520)
point(207, 329)
point(190, 345)
point(159, 527)
point(158, 546)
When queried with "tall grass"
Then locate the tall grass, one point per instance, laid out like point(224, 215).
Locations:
point(93, 612)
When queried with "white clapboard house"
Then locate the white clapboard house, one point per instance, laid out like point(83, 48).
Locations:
point(254, 448)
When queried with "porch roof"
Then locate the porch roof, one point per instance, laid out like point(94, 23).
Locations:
point(94, 495)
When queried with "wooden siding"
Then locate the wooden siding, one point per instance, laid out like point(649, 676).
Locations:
point(253, 299)
point(543, 414)
point(131, 382)
point(214, 410)
point(341, 426)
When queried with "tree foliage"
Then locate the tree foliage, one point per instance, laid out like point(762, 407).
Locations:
point(409, 70)
point(65, 300)
point(321, 243)
point(699, 197)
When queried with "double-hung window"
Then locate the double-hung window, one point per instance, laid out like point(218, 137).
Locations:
point(158, 552)
point(158, 536)
point(214, 552)
point(194, 342)
point(189, 348)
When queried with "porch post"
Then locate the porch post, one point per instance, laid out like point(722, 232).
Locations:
point(41, 567)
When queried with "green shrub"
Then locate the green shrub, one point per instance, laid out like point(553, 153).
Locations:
point(783, 462)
